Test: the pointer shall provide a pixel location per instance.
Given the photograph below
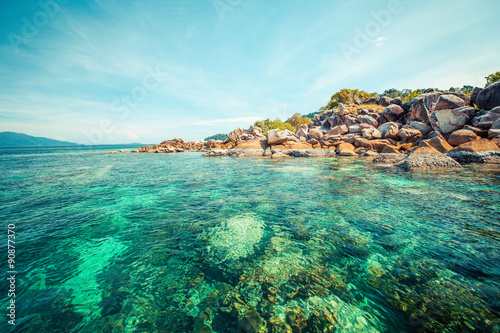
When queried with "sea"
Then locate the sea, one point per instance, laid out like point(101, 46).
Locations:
point(93, 242)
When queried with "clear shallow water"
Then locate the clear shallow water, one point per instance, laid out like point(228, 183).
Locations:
point(183, 243)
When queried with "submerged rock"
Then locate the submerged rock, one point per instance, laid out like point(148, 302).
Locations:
point(491, 157)
point(389, 158)
point(216, 153)
point(425, 158)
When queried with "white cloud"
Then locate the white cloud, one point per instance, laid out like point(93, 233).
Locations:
point(379, 41)
point(132, 135)
point(226, 120)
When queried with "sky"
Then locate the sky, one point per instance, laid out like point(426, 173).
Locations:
point(121, 71)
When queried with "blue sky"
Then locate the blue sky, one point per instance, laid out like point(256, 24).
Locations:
point(109, 71)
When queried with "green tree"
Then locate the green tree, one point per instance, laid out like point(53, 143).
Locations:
point(220, 136)
point(392, 93)
point(492, 78)
point(267, 125)
point(296, 120)
point(349, 96)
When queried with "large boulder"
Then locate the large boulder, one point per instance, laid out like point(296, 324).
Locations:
point(342, 129)
point(389, 130)
point(449, 120)
point(371, 133)
point(478, 131)
point(473, 96)
point(256, 131)
point(335, 120)
point(427, 158)
point(346, 149)
point(397, 101)
point(423, 105)
point(494, 130)
point(373, 100)
point(384, 101)
point(381, 120)
point(302, 131)
point(275, 136)
point(491, 157)
point(462, 136)
point(393, 112)
point(487, 119)
point(489, 97)
point(422, 127)
point(409, 134)
point(355, 129)
point(439, 143)
point(449, 101)
point(315, 133)
point(235, 135)
point(256, 143)
point(349, 120)
point(478, 145)
point(367, 120)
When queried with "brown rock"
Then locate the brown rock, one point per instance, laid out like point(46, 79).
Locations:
point(393, 113)
point(449, 102)
point(447, 121)
point(316, 134)
point(367, 120)
point(478, 145)
point(276, 137)
point(422, 106)
point(300, 145)
point(422, 127)
point(363, 143)
point(462, 136)
point(389, 130)
point(258, 143)
point(425, 150)
point(440, 144)
point(342, 129)
point(389, 149)
point(409, 134)
point(384, 101)
point(478, 131)
point(345, 149)
point(486, 121)
point(235, 135)
point(302, 131)
point(489, 97)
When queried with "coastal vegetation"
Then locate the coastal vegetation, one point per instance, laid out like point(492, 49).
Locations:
point(219, 136)
point(492, 78)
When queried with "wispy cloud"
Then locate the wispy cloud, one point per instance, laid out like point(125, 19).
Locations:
point(265, 61)
point(379, 41)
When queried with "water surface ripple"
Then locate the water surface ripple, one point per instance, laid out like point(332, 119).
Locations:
point(183, 243)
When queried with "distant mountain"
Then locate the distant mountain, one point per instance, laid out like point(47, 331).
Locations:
point(12, 139)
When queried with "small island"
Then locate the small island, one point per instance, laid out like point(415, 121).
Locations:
point(414, 130)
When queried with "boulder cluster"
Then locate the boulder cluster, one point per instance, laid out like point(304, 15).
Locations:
point(435, 130)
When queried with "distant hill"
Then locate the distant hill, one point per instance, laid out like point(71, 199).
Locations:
point(13, 139)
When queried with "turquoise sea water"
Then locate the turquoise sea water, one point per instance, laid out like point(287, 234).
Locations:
point(183, 243)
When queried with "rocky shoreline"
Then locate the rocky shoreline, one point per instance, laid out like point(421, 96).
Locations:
point(436, 130)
